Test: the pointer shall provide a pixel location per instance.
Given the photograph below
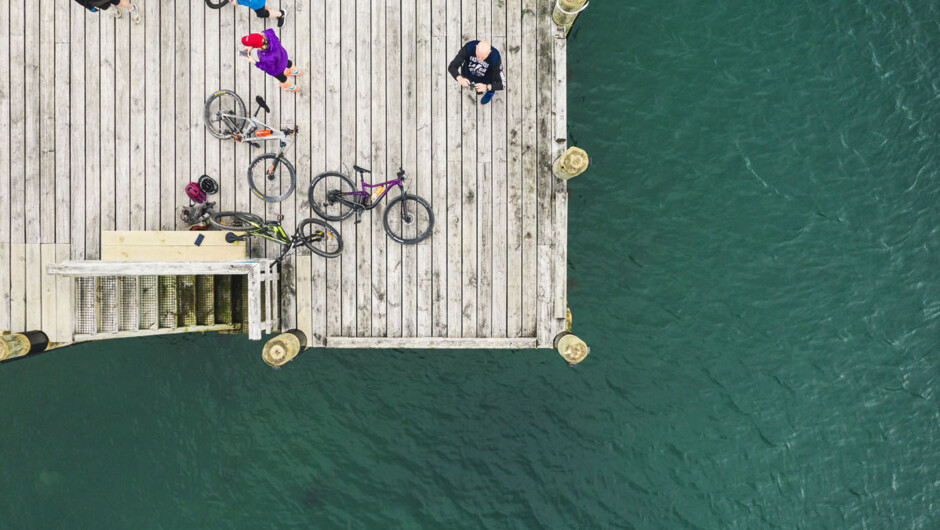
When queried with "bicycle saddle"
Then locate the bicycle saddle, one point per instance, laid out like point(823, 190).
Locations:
point(361, 169)
point(261, 103)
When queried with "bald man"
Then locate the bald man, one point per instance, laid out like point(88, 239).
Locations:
point(479, 64)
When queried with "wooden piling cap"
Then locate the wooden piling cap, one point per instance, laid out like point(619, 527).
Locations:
point(571, 348)
point(281, 349)
point(575, 161)
point(13, 345)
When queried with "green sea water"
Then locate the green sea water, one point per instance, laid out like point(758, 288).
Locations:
point(753, 259)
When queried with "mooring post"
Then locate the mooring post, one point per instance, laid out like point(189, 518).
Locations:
point(14, 345)
point(572, 349)
point(566, 11)
point(571, 163)
point(282, 349)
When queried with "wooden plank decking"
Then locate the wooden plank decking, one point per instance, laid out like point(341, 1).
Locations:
point(106, 126)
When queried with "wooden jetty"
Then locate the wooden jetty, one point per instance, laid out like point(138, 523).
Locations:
point(105, 120)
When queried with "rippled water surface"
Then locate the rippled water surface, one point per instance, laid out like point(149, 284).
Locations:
point(754, 262)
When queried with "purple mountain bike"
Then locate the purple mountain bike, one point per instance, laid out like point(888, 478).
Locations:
point(408, 218)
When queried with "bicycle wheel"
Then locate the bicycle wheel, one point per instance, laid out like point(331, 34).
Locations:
point(320, 238)
point(236, 221)
point(219, 111)
point(271, 177)
point(216, 4)
point(330, 195)
point(408, 219)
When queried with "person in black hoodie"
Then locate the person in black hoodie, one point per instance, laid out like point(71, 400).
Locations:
point(479, 64)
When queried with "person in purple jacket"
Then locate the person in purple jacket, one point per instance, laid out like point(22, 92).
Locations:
point(272, 58)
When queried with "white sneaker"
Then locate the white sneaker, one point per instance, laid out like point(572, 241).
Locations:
point(135, 14)
point(115, 12)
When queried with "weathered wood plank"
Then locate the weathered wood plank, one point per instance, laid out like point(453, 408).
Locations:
point(499, 180)
point(5, 271)
point(544, 178)
point(362, 155)
point(46, 123)
point(225, 199)
point(440, 82)
point(104, 190)
point(454, 168)
point(168, 141)
point(254, 306)
point(315, 148)
point(138, 124)
point(33, 286)
point(381, 51)
point(47, 298)
point(529, 88)
point(184, 82)
point(432, 343)
point(468, 188)
point(62, 128)
point(484, 192)
point(119, 204)
point(348, 154)
point(18, 124)
point(408, 128)
point(288, 104)
point(91, 224)
point(424, 69)
point(560, 137)
point(64, 307)
point(18, 287)
point(151, 21)
point(195, 123)
point(32, 116)
point(303, 291)
point(334, 157)
point(393, 116)
point(77, 136)
point(5, 168)
point(513, 69)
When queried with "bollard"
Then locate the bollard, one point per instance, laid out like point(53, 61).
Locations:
point(571, 163)
point(282, 349)
point(572, 349)
point(566, 11)
point(19, 344)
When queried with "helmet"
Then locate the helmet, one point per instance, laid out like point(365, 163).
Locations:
point(194, 193)
point(208, 185)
